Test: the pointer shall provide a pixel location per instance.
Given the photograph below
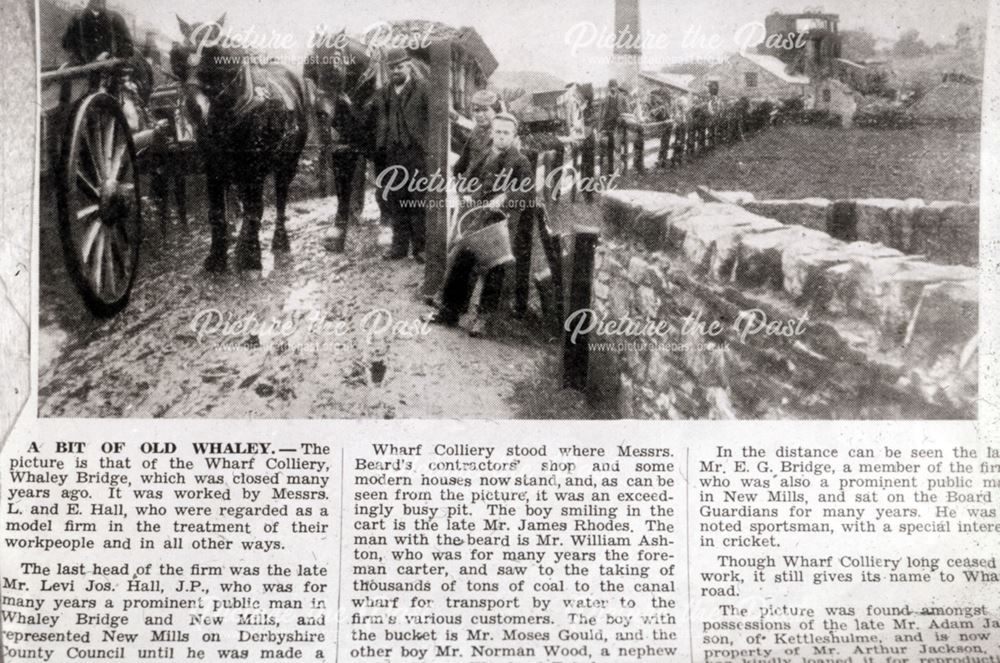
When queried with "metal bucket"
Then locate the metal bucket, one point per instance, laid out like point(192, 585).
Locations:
point(490, 244)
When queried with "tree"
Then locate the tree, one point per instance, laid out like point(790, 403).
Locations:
point(910, 45)
point(858, 44)
point(970, 39)
point(963, 36)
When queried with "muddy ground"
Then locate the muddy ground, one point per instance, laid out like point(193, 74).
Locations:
point(313, 335)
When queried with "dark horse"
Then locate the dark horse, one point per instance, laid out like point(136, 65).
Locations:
point(348, 75)
point(346, 80)
point(251, 121)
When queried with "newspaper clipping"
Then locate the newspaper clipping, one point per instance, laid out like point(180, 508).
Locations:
point(592, 331)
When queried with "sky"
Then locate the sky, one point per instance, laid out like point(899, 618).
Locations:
point(562, 37)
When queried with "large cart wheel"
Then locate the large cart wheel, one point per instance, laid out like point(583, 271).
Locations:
point(100, 209)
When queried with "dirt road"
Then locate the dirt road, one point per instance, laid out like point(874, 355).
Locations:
point(314, 335)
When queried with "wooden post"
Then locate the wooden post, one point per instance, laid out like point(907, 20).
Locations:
point(588, 168)
point(574, 158)
point(640, 150)
point(547, 159)
point(534, 158)
point(438, 147)
point(624, 149)
point(611, 152)
point(558, 289)
point(552, 245)
point(581, 273)
point(558, 161)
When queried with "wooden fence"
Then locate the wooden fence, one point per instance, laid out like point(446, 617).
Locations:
point(588, 161)
point(579, 167)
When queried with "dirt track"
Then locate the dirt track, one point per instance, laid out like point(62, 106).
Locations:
point(151, 360)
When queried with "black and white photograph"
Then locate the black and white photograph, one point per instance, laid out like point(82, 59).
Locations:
point(575, 331)
point(605, 209)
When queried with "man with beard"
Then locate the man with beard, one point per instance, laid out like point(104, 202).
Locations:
point(505, 192)
point(401, 119)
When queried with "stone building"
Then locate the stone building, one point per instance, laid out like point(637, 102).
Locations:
point(755, 76)
point(835, 97)
point(665, 83)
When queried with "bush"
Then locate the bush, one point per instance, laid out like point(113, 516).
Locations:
point(813, 116)
point(794, 105)
point(884, 117)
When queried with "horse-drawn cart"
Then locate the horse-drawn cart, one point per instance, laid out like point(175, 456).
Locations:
point(96, 135)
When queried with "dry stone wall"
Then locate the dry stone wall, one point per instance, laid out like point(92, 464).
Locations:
point(742, 316)
point(941, 231)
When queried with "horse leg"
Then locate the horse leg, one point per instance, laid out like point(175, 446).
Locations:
point(180, 188)
point(159, 183)
point(180, 195)
point(359, 186)
point(216, 260)
point(282, 180)
point(323, 162)
point(343, 172)
point(248, 244)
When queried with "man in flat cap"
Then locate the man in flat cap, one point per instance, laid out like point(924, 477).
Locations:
point(507, 191)
point(401, 119)
point(615, 106)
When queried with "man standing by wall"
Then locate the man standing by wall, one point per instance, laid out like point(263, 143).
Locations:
point(401, 120)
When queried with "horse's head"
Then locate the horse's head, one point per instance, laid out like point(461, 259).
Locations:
point(336, 64)
point(346, 76)
point(201, 34)
point(198, 64)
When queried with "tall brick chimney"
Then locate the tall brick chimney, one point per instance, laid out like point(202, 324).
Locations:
point(627, 57)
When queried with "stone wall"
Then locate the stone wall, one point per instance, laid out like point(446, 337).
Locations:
point(856, 330)
point(941, 231)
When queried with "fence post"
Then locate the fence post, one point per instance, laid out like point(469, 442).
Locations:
point(626, 146)
point(534, 158)
point(574, 156)
point(640, 149)
point(581, 273)
point(558, 160)
point(438, 147)
point(611, 151)
point(587, 167)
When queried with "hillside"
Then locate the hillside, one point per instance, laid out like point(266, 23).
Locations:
point(926, 70)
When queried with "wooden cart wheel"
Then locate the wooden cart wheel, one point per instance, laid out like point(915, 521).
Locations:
point(100, 210)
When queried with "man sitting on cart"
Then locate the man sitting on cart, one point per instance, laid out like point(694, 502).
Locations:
point(96, 34)
point(500, 190)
